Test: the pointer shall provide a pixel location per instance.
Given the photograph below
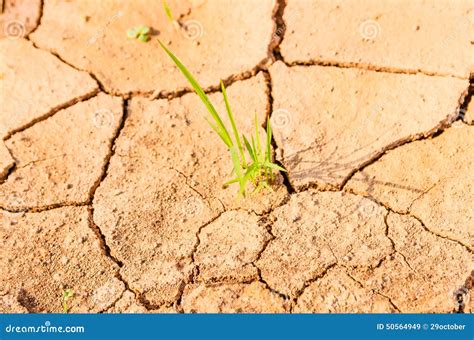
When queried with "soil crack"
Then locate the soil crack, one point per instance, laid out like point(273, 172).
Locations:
point(433, 133)
point(279, 31)
point(409, 214)
point(307, 283)
point(368, 67)
point(92, 190)
point(51, 112)
point(376, 292)
point(196, 245)
point(38, 21)
point(108, 253)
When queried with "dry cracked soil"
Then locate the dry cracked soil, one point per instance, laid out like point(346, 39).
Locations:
point(111, 179)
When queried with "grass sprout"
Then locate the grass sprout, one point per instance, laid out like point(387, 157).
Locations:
point(67, 294)
point(256, 166)
point(141, 33)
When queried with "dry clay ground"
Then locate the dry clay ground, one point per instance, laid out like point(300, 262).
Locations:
point(110, 178)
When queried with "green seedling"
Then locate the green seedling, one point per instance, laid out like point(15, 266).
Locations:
point(168, 12)
point(141, 33)
point(67, 294)
point(257, 167)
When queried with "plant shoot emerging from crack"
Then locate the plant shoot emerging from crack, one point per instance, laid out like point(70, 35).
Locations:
point(255, 167)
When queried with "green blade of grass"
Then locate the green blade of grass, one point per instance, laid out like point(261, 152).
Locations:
point(143, 37)
point(249, 149)
point(257, 137)
point(260, 186)
point(268, 157)
point(238, 169)
point(168, 12)
point(204, 98)
point(274, 166)
point(216, 130)
point(251, 172)
point(232, 123)
point(144, 30)
point(232, 181)
point(254, 149)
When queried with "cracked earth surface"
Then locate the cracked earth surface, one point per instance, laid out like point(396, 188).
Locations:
point(111, 180)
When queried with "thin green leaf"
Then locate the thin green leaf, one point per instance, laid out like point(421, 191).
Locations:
point(274, 166)
point(257, 137)
point(255, 151)
point(144, 30)
point(216, 130)
point(232, 181)
point(238, 169)
point(251, 172)
point(200, 92)
point(143, 37)
point(168, 12)
point(260, 186)
point(249, 149)
point(268, 157)
point(232, 123)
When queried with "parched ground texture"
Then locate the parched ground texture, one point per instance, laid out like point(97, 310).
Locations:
point(111, 179)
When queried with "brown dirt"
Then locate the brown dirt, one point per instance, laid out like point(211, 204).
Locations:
point(10, 304)
point(128, 304)
point(316, 230)
point(361, 114)
point(231, 298)
point(228, 247)
point(432, 37)
point(58, 251)
point(431, 179)
point(121, 198)
point(19, 18)
point(58, 163)
point(6, 161)
point(90, 34)
point(424, 274)
point(337, 292)
point(31, 91)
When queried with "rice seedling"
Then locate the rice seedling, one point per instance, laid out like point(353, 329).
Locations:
point(67, 294)
point(255, 166)
point(141, 33)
